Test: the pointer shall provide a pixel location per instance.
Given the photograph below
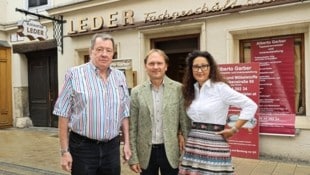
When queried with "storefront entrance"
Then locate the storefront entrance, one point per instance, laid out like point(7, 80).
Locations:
point(43, 87)
point(177, 49)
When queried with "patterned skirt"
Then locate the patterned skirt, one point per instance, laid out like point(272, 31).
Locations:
point(206, 153)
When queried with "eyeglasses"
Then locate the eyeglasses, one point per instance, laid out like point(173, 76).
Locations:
point(101, 50)
point(203, 67)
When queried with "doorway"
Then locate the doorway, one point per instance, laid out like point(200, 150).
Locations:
point(6, 118)
point(177, 49)
point(43, 87)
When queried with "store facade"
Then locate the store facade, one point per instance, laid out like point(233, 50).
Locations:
point(227, 29)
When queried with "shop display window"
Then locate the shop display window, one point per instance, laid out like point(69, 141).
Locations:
point(299, 66)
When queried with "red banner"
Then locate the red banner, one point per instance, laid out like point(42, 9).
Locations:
point(276, 58)
point(244, 78)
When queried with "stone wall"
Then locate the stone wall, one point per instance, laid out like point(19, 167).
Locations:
point(21, 108)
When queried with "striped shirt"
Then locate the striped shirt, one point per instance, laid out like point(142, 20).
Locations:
point(95, 108)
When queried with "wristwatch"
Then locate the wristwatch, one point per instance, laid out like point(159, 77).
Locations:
point(63, 151)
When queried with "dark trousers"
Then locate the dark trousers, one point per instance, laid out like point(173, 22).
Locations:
point(91, 157)
point(159, 161)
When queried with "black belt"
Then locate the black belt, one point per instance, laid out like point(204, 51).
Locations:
point(207, 126)
point(89, 140)
point(157, 146)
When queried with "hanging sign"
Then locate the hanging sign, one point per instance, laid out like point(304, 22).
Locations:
point(32, 29)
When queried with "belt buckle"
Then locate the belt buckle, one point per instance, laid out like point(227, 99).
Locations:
point(216, 128)
point(203, 126)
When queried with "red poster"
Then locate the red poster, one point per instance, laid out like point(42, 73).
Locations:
point(276, 58)
point(244, 78)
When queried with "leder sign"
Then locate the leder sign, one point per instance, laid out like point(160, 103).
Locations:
point(32, 29)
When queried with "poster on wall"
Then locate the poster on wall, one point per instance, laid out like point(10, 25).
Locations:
point(277, 83)
point(243, 78)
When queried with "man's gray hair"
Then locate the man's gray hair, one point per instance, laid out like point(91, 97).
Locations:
point(103, 36)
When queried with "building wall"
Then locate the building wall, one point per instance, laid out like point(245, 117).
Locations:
point(219, 34)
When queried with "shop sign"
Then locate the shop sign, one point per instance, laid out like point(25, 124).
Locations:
point(244, 78)
point(277, 80)
point(127, 18)
point(32, 29)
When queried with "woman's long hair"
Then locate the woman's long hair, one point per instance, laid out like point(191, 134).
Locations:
point(189, 80)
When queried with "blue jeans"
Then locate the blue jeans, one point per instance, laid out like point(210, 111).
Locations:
point(159, 162)
point(93, 158)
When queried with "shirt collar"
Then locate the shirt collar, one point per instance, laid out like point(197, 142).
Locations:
point(206, 83)
point(151, 85)
point(94, 68)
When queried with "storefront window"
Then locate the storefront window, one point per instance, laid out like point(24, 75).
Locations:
point(299, 65)
point(36, 3)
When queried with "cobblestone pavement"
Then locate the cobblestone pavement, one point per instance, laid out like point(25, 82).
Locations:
point(35, 151)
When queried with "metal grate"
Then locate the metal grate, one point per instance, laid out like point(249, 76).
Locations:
point(58, 33)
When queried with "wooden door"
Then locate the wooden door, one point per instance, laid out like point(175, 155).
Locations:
point(6, 119)
point(42, 80)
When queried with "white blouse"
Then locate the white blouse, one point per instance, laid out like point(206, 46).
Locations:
point(212, 102)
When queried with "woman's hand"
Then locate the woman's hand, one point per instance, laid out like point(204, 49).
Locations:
point(228, 132)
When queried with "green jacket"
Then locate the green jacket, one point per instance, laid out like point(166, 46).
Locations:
point(141, 115)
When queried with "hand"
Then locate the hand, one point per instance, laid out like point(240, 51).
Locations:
point(126, 152)
point(136, 168)
point(181, 142)
point(226, 133)
point(66, 162)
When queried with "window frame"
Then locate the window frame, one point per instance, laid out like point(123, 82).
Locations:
point(39, 7)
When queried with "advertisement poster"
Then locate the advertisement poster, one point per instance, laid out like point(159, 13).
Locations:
point(277, 83)
point(244, 78)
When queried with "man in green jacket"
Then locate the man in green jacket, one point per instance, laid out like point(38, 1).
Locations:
point(157, 116)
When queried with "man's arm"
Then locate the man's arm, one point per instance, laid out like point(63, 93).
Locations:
point(63, 133)
point(66, 159)
point(125, 129)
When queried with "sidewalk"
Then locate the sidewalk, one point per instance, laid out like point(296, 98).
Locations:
point(35, 151)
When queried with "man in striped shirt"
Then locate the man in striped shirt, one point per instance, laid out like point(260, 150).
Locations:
point(92, 106)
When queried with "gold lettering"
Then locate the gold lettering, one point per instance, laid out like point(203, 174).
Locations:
point(205, 8)
point(71, 28)
point(175, 15)
point(160, 17)
point(166, 15)
point(253, 2)
point(229, 4)
point(216, 7)
point(189, 12)
point(82, 25)
point(149, 16)
point(198, 11)
point(249, 2)
point(113, 20)
point(183, 13)
point(128, 17)
point(97, 23)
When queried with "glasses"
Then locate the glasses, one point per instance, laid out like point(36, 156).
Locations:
point(203, 67)
point(101, 50)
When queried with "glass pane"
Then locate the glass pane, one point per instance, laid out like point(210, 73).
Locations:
point(35, 3)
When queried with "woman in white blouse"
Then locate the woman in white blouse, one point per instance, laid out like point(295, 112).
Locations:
point(207, 99)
